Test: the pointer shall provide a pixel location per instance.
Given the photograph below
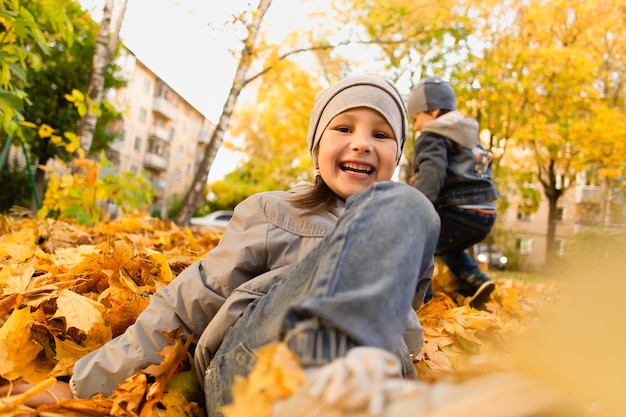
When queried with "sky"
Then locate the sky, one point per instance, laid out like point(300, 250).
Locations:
point(187, 44)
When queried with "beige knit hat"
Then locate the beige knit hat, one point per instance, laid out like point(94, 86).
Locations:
point(358, 91)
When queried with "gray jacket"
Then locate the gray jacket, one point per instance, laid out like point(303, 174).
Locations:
point(265, 238)
point(452, 166)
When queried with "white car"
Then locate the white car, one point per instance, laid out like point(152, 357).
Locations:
point(491, 256)
point(217, 220)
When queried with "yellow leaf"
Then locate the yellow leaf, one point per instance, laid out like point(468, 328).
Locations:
point(28, 124)
point(160, 261)
point(175, 404)
point(79, 311)
point(277, 374)
point(16, 278)
point(67, 353)
point(45, 131)
point(74, 142)
point(16, 347)
point(18, 252)
point(70, 257)
point(129, 395)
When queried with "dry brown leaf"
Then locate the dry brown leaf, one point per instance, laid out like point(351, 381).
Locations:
point(98, 280)
point(78, 311)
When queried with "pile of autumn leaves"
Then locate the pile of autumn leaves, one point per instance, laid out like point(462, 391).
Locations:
point(67, 289)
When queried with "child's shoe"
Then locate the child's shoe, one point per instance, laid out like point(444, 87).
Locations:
point(478, 287)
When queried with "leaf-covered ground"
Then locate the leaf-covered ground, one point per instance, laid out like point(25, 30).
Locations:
point(68, 289)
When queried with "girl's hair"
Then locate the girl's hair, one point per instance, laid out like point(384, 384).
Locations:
point(318, 199)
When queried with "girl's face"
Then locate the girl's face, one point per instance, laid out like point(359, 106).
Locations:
point(356, 150)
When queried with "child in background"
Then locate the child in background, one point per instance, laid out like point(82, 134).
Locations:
point(324, 267)
point(453, 170)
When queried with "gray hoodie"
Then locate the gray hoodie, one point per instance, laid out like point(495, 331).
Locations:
point(452, 168)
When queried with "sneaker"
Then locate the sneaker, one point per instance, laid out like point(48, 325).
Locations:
point(478, 287)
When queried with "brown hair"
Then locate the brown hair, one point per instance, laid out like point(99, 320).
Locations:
point(319, 198)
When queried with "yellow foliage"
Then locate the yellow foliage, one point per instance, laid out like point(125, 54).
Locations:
point(276, 375)
point(92, 282)
point(95, 281)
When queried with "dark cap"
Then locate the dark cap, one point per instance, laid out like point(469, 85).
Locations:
point(429, 94)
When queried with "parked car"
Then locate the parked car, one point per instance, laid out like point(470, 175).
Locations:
point(490, 255)
point(217, 220)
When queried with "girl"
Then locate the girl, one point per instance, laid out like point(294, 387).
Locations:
point(324, 267)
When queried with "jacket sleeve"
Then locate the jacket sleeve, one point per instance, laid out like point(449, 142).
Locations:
point(191, 300)
point(430, 161)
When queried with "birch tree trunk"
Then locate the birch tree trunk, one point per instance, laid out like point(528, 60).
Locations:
point(108, 37)
point(195, 194)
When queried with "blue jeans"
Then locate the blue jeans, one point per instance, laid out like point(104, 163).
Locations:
point(355, 288)
point(460, 229)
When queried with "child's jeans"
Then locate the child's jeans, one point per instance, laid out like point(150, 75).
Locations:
point(355, 289)
point(460, 229)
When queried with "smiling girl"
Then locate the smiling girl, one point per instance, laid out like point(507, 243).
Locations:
point(324, 267)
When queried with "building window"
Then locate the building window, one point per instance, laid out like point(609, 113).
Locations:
point(137, 143)
point(524, 245)
point(147, 86)
point(142, 115)
point(523, 213)
point(156, 147)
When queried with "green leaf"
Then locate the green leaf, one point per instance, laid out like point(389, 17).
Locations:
point(11, 100)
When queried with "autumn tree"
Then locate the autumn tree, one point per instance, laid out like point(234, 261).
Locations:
point(27, 31)
point(104, 51)
point(536, 77)
point(66, 69)
point(252, 21)
point(272, 167)
point(261, 58)
point(604, 123)
point(272, 129)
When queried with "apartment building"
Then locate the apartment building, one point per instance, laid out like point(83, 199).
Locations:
point(584, 208)
point(164, 136)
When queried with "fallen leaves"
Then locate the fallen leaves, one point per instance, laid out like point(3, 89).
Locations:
point(68, 289)
point(461, 342)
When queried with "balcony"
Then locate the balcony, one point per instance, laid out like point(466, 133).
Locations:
point(165, 108)
point(159, 133)
point(588, 194)
point(154, 161)
point(203, 137)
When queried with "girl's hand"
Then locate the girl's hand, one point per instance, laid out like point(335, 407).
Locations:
point(52, 394)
